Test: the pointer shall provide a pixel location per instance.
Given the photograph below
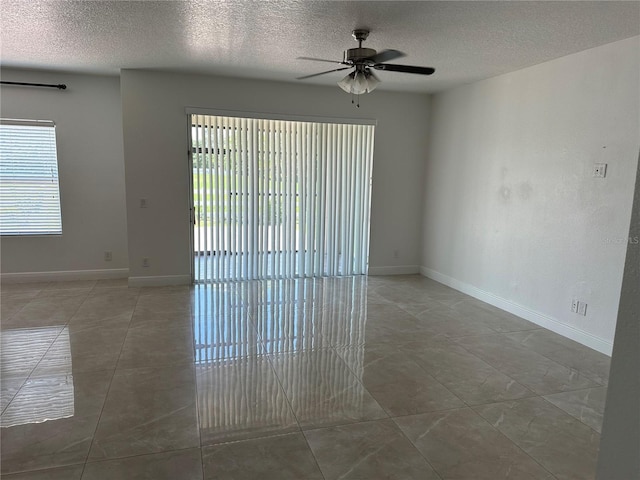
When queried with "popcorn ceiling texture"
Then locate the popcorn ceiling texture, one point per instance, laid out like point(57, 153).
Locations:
point(464, 41)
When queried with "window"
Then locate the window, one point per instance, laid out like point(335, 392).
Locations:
point(29, 188)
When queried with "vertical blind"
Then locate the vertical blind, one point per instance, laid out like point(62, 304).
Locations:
point(275, 198)
point(29, 188)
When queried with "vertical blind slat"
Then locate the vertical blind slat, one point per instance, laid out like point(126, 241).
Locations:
point(280, 199)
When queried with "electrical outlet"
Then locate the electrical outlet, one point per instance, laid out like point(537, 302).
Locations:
point(144, 203)
point(396, 254)
point(145, 262)
point(582, 308)
point(574, 305)
point(108, 256)
point(599, 170)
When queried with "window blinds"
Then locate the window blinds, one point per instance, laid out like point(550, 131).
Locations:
point(277, 199)
point(29, 189)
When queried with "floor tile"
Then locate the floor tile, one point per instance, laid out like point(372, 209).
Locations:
point(167, 290)
point(382, 324)
point(140, 382)
point(366, 450)
point(87, 284)
point(585, 405)
point(84, 348)
point(106, 305)
point(170, 302)
point(57, 395)
point(23, 348)
point(34, 287)
point(8, 389)
point(154, 347)
point(9, 306)
point(64, 292)
point(51, 421)
point(152, 319)
point(441, 321)
point(179, 464)
point(397, 383)
point(283, 457)
point(100, 319)
point(459, 444)
point(63, 473)
point(563, 445)
point(111, 283)
point(467, 376)
point(240, 398)
point(147, 410)
point(492, 317)
point(531, 369)
point(322, 390)
point(594, 365)
point(45, 312)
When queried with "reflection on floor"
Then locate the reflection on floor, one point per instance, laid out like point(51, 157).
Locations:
point(332, 378)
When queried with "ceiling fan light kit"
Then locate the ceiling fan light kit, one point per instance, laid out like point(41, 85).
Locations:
point(363, 60)
point(359, 82)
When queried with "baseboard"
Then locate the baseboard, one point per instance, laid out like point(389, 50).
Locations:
point(160, 281)
point(64, 276)
point(550, 323)
point(396, 270)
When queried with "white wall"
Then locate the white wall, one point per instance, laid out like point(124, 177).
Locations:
point(512, 213)
point(155, 146)
point(89, 140)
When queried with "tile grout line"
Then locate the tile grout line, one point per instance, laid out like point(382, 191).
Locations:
point(84, 466)
point(514, 443)
point(66, 324)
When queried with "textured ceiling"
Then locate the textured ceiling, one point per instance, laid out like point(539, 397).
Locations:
point(464, 41)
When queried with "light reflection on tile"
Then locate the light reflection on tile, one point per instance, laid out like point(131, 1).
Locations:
point(366, 450)
point(45, 312)
point(397, 383)
point(180, 464)
point(531, 369)
point(241, 398)
point(282, 457)
point(43, 398)
point(23, 348)
point(33, 443)
point(322, 390)
point(147, 410)
point(255, 363)
point(592, 364)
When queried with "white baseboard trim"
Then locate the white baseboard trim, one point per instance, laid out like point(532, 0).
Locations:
point(550, 323)
point(160, 281)
point(397, 270)
point(64, 276)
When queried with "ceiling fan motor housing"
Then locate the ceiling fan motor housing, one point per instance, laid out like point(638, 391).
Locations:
point(355, 55)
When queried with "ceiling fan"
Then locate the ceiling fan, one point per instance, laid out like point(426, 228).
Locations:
point(363, 61)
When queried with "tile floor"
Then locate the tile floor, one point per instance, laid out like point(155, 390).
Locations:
point(335, 378)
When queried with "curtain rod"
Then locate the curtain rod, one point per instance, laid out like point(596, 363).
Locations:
point(60, 86)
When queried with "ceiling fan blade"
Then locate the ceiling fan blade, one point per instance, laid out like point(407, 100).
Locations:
point(322, 73)
point(390, 67)
point(385, 56)
point(320, 60)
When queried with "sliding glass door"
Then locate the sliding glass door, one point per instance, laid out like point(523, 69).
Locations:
point(279, 199)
